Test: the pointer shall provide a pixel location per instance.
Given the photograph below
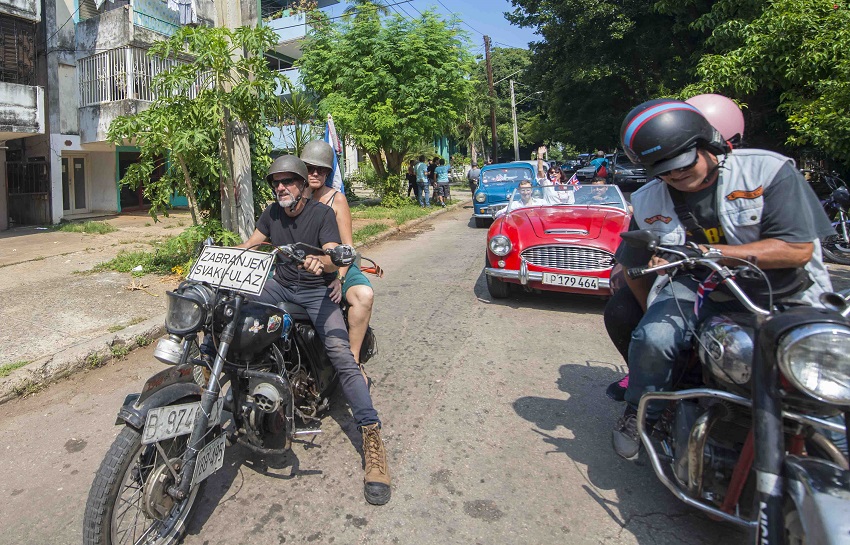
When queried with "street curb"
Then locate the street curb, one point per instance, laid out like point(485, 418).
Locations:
point(100, 351)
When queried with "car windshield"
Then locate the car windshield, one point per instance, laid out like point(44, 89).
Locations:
point(508, 174)
point(565, 195)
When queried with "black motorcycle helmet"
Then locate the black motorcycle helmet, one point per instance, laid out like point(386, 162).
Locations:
point(664, 134)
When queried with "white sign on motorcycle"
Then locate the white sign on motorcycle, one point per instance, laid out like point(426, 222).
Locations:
point(173, 420)
point(233, 268)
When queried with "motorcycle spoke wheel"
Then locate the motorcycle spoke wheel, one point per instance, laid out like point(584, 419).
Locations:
point(836, 250)
point(128, 504)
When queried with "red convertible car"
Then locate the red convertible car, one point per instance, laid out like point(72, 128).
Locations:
point(556, 238)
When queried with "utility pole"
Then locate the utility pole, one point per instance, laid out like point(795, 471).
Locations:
point(495, 153)
point(513, 116)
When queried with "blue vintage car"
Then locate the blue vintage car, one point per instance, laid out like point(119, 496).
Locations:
point(495, 186)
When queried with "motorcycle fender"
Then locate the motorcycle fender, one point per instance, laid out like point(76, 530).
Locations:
point(820, 491)
point(135, 410)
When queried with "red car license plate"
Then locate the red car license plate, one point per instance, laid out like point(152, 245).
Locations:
point(570, 281)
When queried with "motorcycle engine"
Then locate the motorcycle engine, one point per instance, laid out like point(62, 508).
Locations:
point(726, 350)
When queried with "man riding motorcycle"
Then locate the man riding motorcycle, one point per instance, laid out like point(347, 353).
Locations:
point(732, 204)
point(297, 218)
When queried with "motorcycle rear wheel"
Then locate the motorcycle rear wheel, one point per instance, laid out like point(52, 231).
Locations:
point(835, 250)
point(125, 491)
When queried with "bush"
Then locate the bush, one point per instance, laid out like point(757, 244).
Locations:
point(175, 255)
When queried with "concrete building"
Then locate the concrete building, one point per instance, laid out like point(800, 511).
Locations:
point(24, 182)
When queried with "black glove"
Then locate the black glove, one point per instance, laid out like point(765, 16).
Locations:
point(687, 250)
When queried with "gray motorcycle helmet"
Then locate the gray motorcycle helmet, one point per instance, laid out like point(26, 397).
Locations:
point(318, 153)
point(287, 163)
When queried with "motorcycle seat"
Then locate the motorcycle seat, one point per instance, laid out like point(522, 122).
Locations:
point(296, 311)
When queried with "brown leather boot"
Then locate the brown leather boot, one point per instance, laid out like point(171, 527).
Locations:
point(376, 483)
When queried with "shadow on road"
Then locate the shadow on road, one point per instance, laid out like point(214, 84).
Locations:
point(579, 428)
point(540, 300)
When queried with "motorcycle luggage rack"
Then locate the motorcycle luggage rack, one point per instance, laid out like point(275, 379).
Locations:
point(656, 461)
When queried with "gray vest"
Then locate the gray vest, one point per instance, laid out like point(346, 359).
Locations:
point(740, 201)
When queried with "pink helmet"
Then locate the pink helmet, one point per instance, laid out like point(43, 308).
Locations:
point(722, 113)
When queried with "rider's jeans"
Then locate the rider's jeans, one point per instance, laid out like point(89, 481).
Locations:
point(662, 335)
point(330, 325)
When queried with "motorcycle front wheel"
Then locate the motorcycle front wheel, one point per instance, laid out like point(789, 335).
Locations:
point(835, 249)
point(128, 502)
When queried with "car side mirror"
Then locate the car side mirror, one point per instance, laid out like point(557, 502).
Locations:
point(641, 239)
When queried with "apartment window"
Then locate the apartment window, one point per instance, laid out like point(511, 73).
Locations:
point(17, 51)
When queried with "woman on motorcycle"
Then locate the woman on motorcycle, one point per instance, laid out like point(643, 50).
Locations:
point(352, 284)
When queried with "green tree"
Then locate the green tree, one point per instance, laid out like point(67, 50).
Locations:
point(223, 77)
point(389, 83)
point(599, 58)
point(797, 51)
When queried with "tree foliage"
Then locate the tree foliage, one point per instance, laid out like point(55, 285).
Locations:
point(390, 83)
point(797, 51)
point(187, 133)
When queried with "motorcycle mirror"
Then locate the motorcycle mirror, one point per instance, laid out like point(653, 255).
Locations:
point(342, 255)
point(641, 239)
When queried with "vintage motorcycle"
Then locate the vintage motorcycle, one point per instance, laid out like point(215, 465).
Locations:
point(750, 429)
point(835, 199)
point(270, 371)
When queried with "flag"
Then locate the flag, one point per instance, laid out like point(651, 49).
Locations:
point(573, 181)
point(334, 180)
point(705, 287)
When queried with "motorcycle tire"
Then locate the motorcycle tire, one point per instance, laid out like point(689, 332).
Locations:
point(127, 470)
point(834, 251)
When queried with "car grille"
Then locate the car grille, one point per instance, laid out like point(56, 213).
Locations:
point(569, 258)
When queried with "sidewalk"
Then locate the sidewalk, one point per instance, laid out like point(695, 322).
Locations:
point(59, 318)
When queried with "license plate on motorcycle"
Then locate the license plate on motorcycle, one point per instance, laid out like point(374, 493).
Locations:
point(209, 460)
point(173, 420)
point(570, 281)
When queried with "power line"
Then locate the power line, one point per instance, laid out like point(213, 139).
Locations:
point(63, 24)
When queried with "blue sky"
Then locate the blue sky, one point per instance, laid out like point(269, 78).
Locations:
point(480, 17)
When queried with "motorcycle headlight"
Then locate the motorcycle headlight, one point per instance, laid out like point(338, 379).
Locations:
point(500, 245)
point(815, 358)
point(188, 308)
point(480, 197)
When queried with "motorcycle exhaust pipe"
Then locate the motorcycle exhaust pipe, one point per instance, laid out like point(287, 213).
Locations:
point(696, 446)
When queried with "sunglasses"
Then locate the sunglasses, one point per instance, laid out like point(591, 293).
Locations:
point(318, 170)
point(680, 170)
point(285, 181)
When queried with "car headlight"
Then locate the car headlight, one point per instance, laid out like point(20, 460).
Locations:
point(188, 308)
point(500, 245)
point(815, 359)
point(480, 197)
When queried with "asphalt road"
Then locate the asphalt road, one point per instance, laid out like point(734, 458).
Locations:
point(495, 420)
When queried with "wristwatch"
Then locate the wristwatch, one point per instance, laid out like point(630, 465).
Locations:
point(712, 252)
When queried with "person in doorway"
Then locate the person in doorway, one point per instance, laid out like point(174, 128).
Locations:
point(441, 174)
point(296, 217)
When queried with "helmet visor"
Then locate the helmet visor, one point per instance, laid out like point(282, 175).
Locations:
point(684, 159)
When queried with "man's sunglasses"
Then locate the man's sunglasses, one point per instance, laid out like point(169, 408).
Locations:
point(285, 181)
point(318, 170)
point(679, 170)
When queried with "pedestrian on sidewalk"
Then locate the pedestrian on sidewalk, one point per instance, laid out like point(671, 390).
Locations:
point(411, 180)
point(472, 177)
point(422, 182)
point(442, 175)
point(432, 178)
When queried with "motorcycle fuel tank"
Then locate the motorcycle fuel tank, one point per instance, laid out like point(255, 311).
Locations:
point(259, 325)
point(726, 350)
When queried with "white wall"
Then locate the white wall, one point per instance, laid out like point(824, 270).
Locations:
point(68, 100)
point(103, 194)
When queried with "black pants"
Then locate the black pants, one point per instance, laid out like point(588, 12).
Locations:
point(622, 315)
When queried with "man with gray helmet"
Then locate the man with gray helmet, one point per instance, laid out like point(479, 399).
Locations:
point(295, 217)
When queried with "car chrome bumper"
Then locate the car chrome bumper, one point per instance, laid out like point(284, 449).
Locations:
point(525, 276)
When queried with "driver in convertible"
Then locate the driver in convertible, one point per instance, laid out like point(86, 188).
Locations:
point(295, 217)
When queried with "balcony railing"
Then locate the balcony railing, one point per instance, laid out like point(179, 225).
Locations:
point(125, 73)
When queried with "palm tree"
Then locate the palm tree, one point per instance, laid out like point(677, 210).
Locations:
point(355, 5)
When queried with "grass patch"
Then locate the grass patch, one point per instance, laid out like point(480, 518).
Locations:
point(143, 340)
point(398, 215)
point(369, 231)
point(27, 388)
point(114, 328)
point(6, 370)
point(94, 360)
point(176, 252)
point(119, 351)
point(136, 320)
point(88, 227)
